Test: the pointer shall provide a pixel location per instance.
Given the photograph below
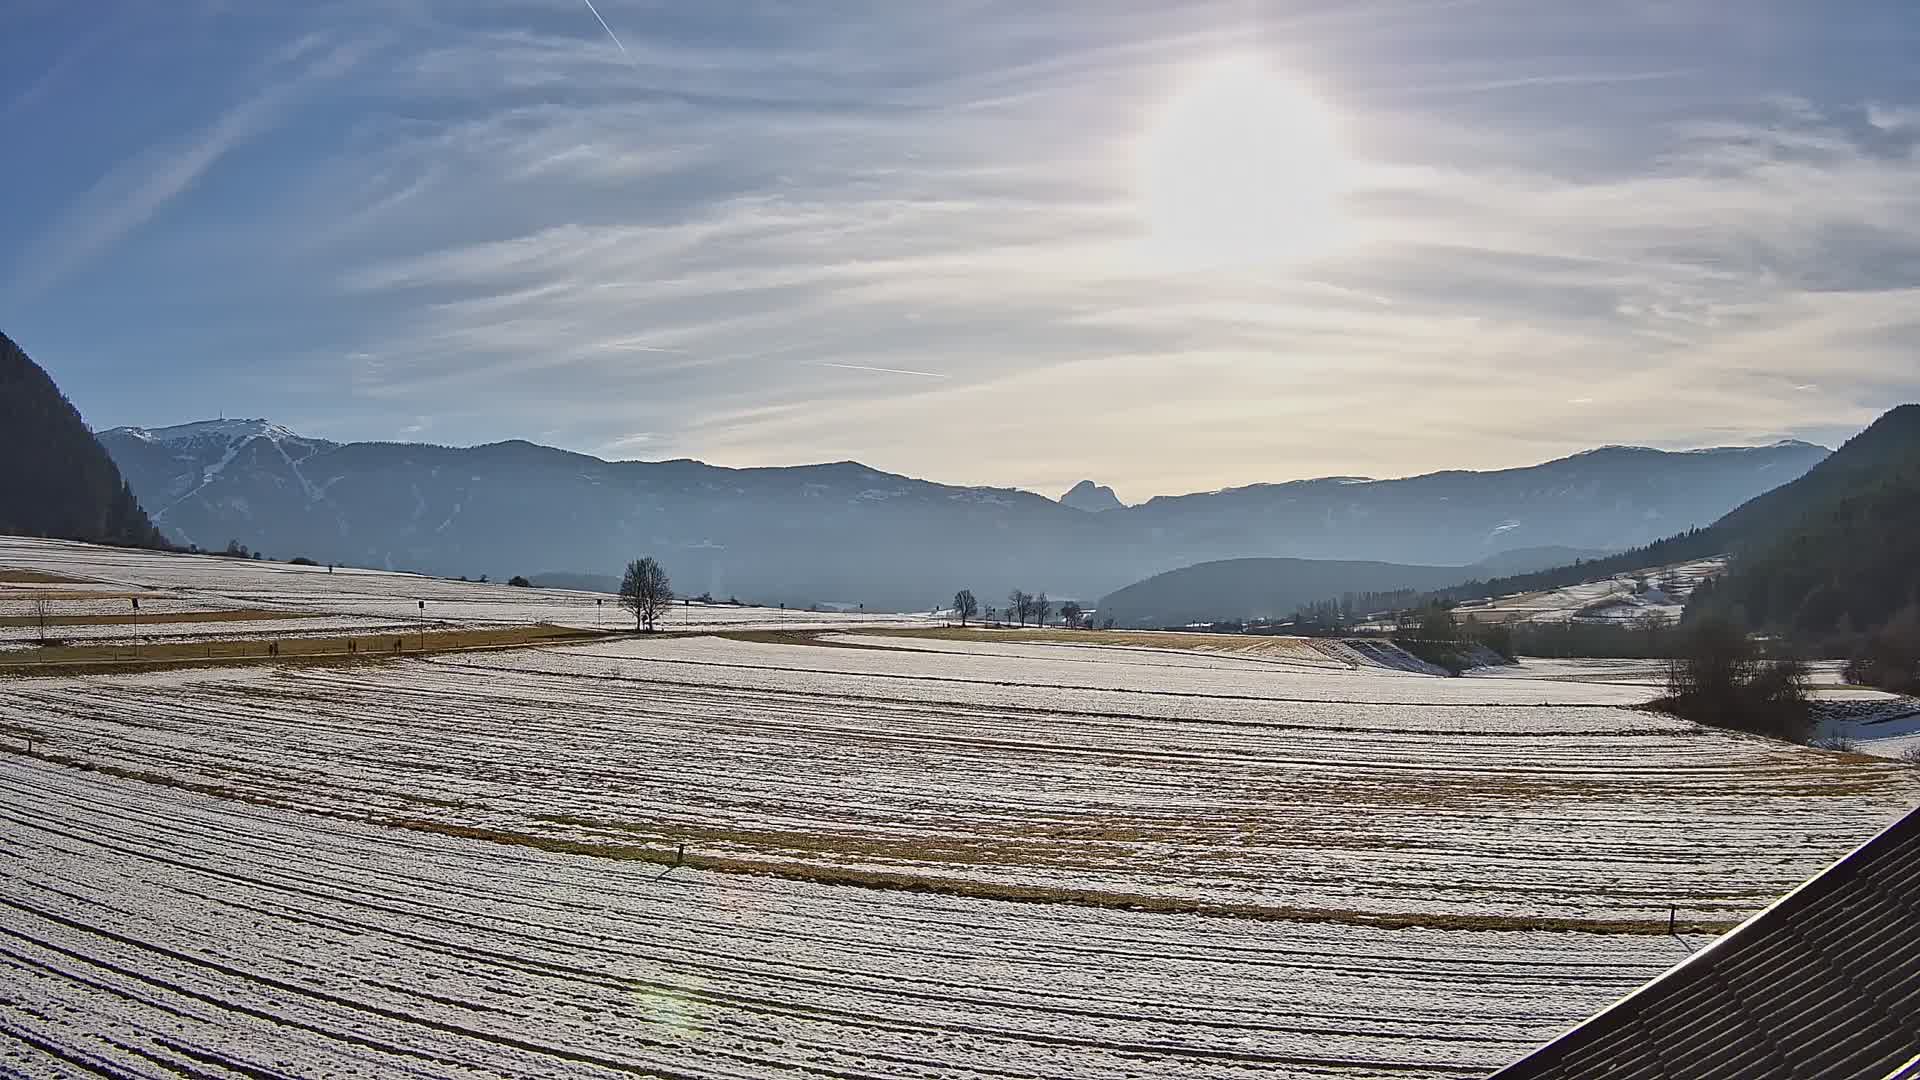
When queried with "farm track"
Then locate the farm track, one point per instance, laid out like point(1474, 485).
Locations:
point(178, 929)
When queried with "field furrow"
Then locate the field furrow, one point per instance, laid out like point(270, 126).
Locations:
point(142, 920)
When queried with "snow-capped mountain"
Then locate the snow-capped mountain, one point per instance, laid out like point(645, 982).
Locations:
point(846, 532)
point(176, 462)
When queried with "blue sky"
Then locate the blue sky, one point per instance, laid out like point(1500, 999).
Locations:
point(915, 234)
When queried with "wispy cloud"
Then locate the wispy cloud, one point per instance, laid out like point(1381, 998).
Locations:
point(1556, 237)
point(133, 192)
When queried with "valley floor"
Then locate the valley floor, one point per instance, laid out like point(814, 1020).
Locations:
point(818, 849)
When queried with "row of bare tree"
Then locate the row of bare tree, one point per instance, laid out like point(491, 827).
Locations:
point(1021, 606)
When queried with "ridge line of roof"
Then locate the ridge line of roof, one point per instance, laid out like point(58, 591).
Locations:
point(1806, 892)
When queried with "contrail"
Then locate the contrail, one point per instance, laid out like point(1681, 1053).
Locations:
point(608, 29)
point(886, 370)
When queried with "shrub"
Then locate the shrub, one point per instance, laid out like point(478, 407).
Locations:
point(1719, 678)
point(1890, 656)
point(1498, 637)
point(301, 560)
point(519, 582)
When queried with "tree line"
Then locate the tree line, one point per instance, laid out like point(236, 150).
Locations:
point(1021, 606)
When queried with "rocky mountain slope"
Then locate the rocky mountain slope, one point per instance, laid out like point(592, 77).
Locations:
point(1091, 497)
point(844, 532)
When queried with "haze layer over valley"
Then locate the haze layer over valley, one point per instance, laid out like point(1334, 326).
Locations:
point(847, 533)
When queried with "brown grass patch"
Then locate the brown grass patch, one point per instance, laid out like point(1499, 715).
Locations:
point(15, 576)
point(349, 648)
point(141, 618)
point(1254, 645)
point(69, 594)
point(891, 881)
point(815, 638)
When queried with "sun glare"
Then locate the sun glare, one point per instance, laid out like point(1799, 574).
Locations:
point(1240, 167)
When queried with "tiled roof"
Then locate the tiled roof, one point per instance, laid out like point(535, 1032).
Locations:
point(1824, 984)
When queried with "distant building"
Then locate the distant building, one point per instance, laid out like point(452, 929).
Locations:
point(1825, 983)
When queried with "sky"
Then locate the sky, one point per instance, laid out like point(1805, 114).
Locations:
point(1165, 246)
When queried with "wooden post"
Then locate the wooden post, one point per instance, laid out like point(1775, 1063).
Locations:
point(1672, 912)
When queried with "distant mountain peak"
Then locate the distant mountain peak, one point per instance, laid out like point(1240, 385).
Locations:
point(1091, 497)
point(1761, 448)
point(1777, 444)
point(229, 430)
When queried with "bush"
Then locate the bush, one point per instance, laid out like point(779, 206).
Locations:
point(1890, 656)
point(519, 582)
point(301, 560)
point(1719, 678)
point(1498, 637)
point(1450, 655)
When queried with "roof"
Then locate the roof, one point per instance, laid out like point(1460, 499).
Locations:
point(1825, 983)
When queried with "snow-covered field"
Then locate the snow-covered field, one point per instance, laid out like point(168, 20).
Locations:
point(903, 856)
point(1614, 599)
point(151, 933)
point(351, 599)
point(1865, 720)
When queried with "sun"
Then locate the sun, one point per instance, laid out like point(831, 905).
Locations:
point(1240, 166)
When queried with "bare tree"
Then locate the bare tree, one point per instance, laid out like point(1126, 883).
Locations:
point(40, 616)
point(645, 591)
point(965, 606)
point(1019, 605)
point(1041, 605)
point(1070, 613)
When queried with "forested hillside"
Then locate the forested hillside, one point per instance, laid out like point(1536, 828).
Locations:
point(1692, 544)
point(1830, 562)
point(58, 481)
point(1838, 550)
point(1840, 542)
point(1252, 589)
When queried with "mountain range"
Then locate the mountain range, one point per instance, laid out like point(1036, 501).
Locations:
point(845, 532)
